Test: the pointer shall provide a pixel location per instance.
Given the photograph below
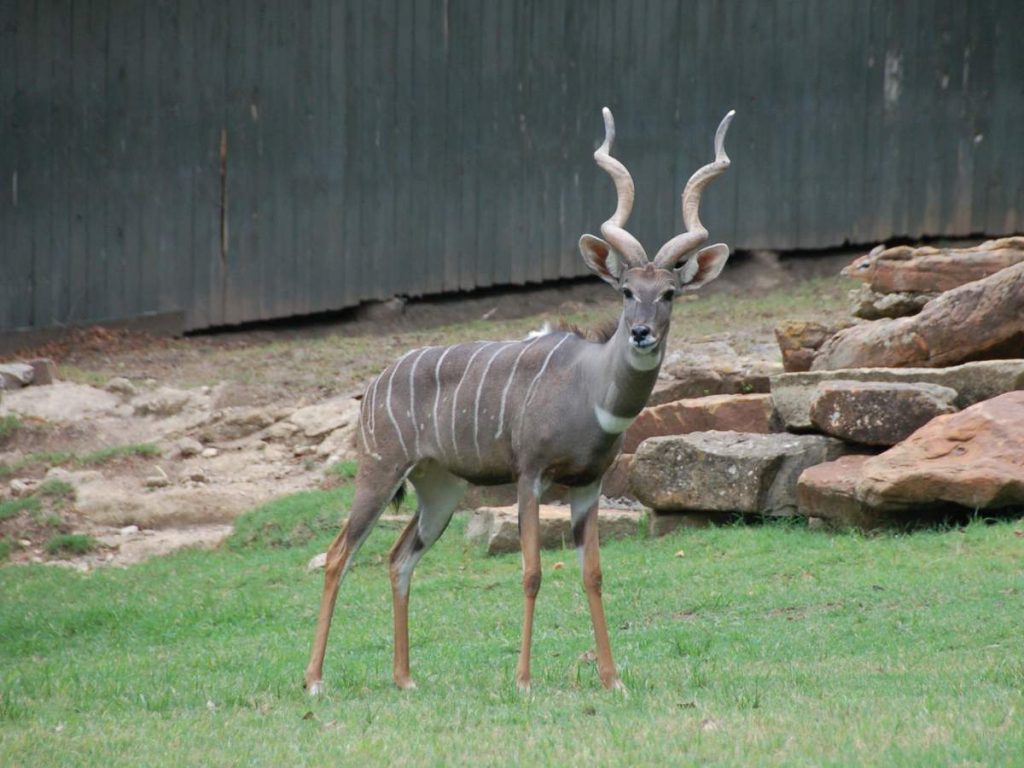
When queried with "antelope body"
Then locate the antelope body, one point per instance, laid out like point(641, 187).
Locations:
point(549, 408)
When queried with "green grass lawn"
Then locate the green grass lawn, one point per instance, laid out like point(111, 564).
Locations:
point(771, 645)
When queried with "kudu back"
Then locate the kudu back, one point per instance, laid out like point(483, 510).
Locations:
point(549, 408)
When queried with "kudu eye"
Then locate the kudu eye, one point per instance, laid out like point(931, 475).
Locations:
point(668, 295)
point(627, 293)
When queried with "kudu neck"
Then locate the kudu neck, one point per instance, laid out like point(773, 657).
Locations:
point(623, 378)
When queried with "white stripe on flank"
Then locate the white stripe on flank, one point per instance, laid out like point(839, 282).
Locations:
point(391, 414)
point(508, 386)
point(455, 397)
point(412, 399)
point(363, 408)
point(529, 390)
point(479, 391)
point(610, 423)
point(437, 393)
point(373, 409)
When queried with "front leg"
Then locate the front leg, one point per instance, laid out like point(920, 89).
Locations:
point(529, 542)
point(584, 503)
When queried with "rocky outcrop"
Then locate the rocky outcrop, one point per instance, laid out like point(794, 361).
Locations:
point(967, 461)
point(497, 528)
point(737, 413)
point(927, 269)
point(793, 393)
point(973, 459)
point(878, 413)
point(799, 340)
point(982, 319)
point(871, 305)
point(727, 471)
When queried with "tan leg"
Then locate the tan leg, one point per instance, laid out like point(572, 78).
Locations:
point(400, 603)
point(438, 493)
point(529, 538)
point(337, 559)
point(585, 532)
point(366, 508)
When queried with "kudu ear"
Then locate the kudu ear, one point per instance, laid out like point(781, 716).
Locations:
point(602, 259)
point(703, 267)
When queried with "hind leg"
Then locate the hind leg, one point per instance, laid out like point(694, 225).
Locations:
point(438, 492)
point(375, 487)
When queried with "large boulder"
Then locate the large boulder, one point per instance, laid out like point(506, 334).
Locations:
point(967, 461)
point(687, 381)
point(871, 305)
point(799, 340)
point(878, 413)
point(727, 471)
point(903, 268)
point(793, 393)
point(982, 319)
point(736, 413)
point(973, 459)
point(497, 528)
point(325, 417)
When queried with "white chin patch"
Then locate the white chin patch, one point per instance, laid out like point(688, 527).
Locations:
point(644, 359)
point(610, 423)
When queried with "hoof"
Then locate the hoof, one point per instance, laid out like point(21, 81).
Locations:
point(405, 683)
point(617, 686)
point(523, 687)
point(316, 688)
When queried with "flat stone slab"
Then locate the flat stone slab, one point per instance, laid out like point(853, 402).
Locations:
point(497, 528)
point(878, 413)
point(727, 471)
point(793, 393)
point(736, 413)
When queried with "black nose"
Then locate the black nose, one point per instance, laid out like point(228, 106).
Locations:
point(641, 332)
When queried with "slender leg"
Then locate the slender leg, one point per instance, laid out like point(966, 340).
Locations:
point(529, 539)
point(366, 508)
point(584, 503)
point(438, 493)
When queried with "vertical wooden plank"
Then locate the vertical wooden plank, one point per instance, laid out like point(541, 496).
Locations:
point(358, 287)
point(60, 99)
point(336, 161)
point(115, 141)
point(40, 85)
point(980, 31)
point(8, 157)
point(473, 264)
point(404, 248)
point(22, 182)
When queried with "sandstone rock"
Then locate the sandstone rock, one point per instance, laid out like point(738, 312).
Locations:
point(188, 446)
point(869, 305)
point(16, 375)
point(165, 401)
point(282, 430)
point(799, 339)
point(43, 371)
point(981, 319)
point(615, 483)
point(904, 268)
point(340, 443)
point(23, 486)
point(736, 413)
point(236, 422)
point(878, 413)
point(63, 402)
point(829, 491)
point(325, 417)
point(973, 459)
point(498, 527)
point(793, 393)
point(727, 471)
point(121, 386)
point(702, 382)
point(210, 453)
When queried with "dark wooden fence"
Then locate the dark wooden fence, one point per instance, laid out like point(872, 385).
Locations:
point(249, 159)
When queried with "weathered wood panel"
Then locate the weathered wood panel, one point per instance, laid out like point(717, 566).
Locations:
point(254, 159)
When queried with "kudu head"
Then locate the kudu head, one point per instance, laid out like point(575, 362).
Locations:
point(648, 287)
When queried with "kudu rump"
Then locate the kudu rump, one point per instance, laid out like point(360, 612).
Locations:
point(549, 408)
